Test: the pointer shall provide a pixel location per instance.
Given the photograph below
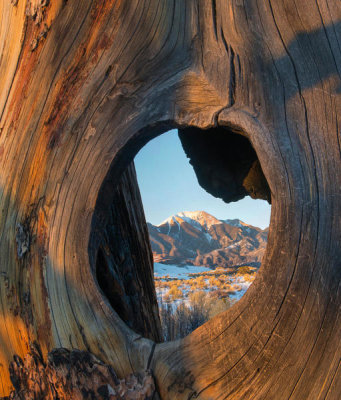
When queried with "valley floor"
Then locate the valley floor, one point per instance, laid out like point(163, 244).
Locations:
point(188, 295)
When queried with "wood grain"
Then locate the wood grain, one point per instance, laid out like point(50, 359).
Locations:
point(84, 85)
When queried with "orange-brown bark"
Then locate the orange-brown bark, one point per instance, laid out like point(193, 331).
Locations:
point(84, 85)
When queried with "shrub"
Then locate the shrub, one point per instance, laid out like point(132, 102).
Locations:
point(175, 293)
point(245, 270)
point(178, 322)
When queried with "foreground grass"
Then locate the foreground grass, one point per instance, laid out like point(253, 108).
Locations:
point(185, 304)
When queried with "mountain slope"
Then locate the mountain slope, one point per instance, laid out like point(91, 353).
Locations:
point(198, 238)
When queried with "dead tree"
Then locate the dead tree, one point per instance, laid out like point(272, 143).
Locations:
point(84, 85)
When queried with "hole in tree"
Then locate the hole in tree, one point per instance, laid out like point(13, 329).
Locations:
point(206, 252)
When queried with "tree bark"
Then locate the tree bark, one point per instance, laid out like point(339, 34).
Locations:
point(84, 85)
point(120, 251)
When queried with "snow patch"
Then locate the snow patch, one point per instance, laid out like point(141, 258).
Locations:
point(231, 246)
point(234, 222)
point(197, 219)
point(177, 271)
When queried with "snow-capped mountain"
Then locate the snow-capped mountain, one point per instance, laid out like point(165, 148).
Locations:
point(195, 218)
point(198, 238)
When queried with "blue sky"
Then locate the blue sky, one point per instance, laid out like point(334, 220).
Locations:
point(168, 185)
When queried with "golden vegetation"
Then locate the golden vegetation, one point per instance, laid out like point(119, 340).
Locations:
point(185, 304)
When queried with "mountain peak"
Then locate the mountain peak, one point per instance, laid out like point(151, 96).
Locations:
point(198, 238)
point(197, 217)
point(235, 222)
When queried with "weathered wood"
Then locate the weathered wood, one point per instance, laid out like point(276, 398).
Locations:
point(225, 164)
point(74, 375)
point(84, 85)
point(120, 253)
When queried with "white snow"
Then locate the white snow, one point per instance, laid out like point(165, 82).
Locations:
point(197, 219)
point(201, 217)
point(169, 220)
point(238, 283)
point(177, 271)
point(234, 222)
point(243, 284)
point(231, 246)
point(175, 220)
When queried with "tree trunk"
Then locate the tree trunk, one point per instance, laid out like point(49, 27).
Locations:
point(84, 85)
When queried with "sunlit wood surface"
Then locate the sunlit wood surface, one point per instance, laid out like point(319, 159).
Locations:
point(83, 85)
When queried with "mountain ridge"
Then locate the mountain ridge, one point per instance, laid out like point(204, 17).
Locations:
point(199, 238)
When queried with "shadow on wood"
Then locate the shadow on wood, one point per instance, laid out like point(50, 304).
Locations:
point(84, 85)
